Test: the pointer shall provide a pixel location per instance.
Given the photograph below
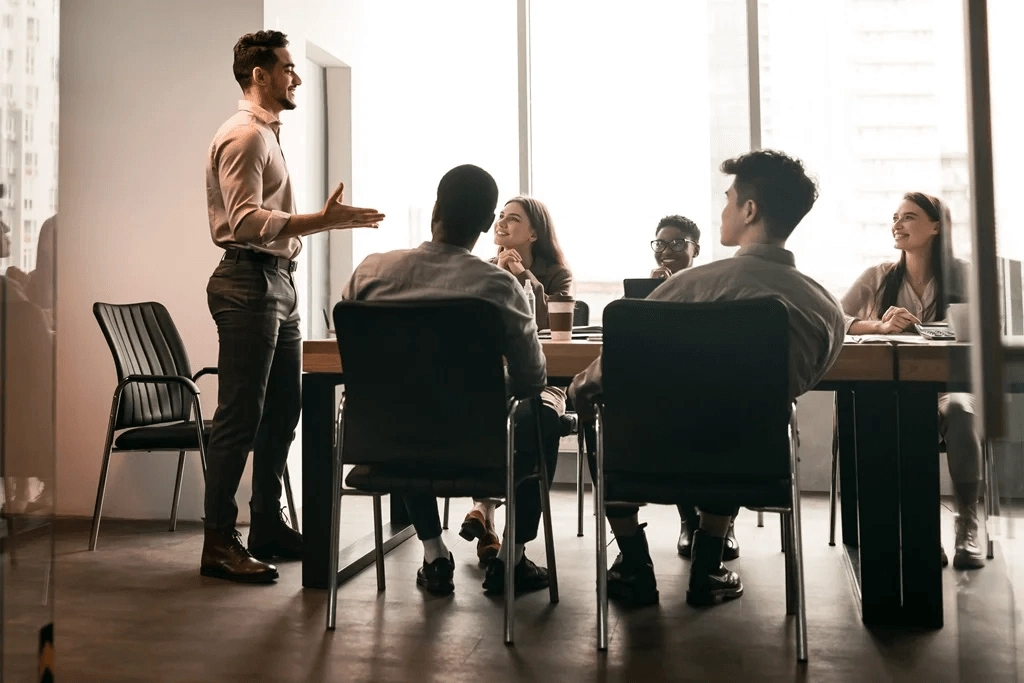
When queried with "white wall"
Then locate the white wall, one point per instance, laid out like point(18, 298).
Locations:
point(144, 86)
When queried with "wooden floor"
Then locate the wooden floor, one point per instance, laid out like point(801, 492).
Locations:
point(137, 610)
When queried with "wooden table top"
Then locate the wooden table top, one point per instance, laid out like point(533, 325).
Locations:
point(864, 362)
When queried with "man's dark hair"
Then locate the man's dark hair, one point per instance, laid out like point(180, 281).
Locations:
point(778, 184)
point(682, 224)
point(256, 50)
point(466, 198)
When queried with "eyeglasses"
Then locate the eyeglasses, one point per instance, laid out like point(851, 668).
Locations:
point(675, 245)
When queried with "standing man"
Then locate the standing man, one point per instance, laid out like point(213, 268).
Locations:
point(252, 297)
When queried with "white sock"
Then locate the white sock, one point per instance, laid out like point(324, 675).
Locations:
point(433, 549)
point(519, 549)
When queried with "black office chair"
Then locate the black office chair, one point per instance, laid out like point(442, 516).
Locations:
point(727, 438)
point(155, 396)
point(425, 410)
point(580, 313)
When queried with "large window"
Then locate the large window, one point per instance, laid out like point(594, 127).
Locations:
point(433, 91)
point(620, 132)
point(871, 96)
point(28, 168)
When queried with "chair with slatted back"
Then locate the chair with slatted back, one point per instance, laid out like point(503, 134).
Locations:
point(156, 404)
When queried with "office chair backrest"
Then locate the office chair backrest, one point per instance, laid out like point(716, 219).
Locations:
point(640, 287)
point(144, 341)
point(424, 383)
point(581, 313)
point(697, 388)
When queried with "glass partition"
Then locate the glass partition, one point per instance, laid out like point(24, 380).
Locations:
point(28, 179)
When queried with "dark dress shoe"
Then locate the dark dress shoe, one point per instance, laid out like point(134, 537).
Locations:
point(224, 557)
point(270, 537)
point(684, 546)
point(528, 577)
point(689, 522)
point(732, 546)
point(685, 540)
point(438, 577)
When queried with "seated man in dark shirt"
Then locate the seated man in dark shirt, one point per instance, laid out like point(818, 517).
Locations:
point(444, 268)
point(770, 195)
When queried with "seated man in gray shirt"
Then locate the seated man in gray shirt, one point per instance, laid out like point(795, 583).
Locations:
point(444, 268)
point(770, 195)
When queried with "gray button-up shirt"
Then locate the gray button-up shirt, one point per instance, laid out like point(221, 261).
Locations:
point(441, 271)
point(815, 317)
point(248, 192)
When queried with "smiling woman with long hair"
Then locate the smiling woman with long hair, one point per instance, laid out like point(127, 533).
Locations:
point(527, 248)
point(889, 299)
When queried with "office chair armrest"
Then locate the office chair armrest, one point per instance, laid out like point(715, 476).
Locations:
point(204, 371)
point(159, 379)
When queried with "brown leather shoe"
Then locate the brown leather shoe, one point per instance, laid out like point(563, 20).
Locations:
point(476, 527)
point(270, 537)
point(224, 557)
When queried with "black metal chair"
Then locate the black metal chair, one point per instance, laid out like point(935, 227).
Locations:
point(721, 432)
point(155, 397)
point(425, 410)
point(570, 425)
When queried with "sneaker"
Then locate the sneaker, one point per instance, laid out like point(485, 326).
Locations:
point(967, 553)
point(528, 577)
point(438, 577)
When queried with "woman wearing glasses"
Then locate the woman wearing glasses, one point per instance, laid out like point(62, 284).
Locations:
point(889, 299)
point(529, 249)
point(676, 244)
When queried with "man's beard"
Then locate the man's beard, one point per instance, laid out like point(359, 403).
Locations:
point(286, 103)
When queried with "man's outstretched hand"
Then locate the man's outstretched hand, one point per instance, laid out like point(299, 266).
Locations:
point(343, 217)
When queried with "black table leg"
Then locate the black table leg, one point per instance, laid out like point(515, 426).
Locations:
point(847, 425)
point(878, 498)
point(919, 505)
point(318, 412)
point(318, 415)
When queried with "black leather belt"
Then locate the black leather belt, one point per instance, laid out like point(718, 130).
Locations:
point(236, 255)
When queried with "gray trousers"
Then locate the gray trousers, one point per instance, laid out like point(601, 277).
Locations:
point(259, 395)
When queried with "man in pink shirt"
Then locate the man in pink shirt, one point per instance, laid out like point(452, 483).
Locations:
point(252, 298)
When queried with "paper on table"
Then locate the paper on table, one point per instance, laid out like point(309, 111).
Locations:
point(887, 339)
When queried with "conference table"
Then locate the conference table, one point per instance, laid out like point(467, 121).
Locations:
point(888, 469)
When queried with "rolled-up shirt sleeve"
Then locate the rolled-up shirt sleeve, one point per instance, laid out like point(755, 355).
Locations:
point(240, 164)
point(527, 367)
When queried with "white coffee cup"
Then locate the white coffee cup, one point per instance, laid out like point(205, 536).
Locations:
point(562, 310)
point(959, 318)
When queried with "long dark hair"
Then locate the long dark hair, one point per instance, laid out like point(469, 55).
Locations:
point(546, 245)
point(948, 288)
